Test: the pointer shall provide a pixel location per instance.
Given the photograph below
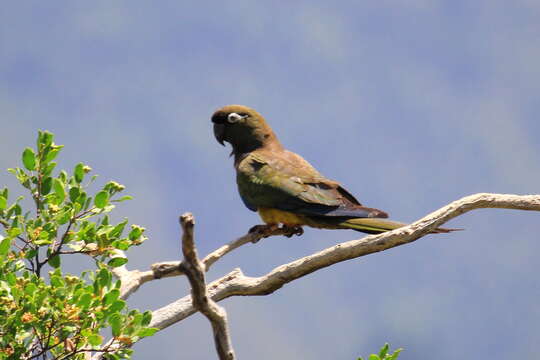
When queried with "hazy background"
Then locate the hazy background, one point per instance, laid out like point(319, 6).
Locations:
point(410, 104)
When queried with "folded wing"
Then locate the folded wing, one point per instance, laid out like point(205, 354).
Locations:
point(286, 181)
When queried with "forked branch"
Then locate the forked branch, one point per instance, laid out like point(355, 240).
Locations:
point(132, 280)
point(194, 270)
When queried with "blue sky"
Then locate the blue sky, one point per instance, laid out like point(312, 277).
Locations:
point(410, 104)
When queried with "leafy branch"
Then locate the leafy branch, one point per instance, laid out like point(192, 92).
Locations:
point(63, 316)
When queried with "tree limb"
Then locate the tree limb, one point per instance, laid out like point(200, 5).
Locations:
point(194, 269)
point(132, 280)
point(237, 284)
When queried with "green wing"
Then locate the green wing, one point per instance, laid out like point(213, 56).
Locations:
point(286, 181)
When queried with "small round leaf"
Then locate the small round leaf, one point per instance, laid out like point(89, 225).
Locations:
point(59, 191)
point(117, 261)
point(79, 172)
point(102, 199)
point(29, 159)
point(95, 339)
point(147, 332)
point(4, 246)
point(54, 261)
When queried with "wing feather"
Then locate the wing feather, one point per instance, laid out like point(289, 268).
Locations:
point(287, 182)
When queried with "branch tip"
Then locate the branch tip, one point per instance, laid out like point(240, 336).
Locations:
point(187, 220)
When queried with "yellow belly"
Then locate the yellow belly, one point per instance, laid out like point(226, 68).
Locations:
point(275, 216)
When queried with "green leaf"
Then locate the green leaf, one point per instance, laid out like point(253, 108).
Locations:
point(395, 355)
point(63, 176)
point(87, 203)
point(117, 305)
point(102, 199)
point(41, 242)
point(384, 351)
point(117, 261)
point(147, 332)
point(64, 217)
point(11, 279)
point(51, 155)
point(147, 317)
point(31, 253)
point(74, 193)
point(3, 202)
point(373, 357)
point(104, 277)
point(78, 172)
point(95, 339)
point(4, 246)
point(14, 231)
point(81, 199)
point(49, 168)
point(44, 235)
point(111, 296)
point(118, 229)
point(54, 261)
point(30, 288)
point(46, 185)
point(59, 191)
point(115, 320)
point(17, 210)
point(124, 198)
point(85, 300)
point(56, 281)
point(121, 244)
point(136, 232)
point(29, 159)
point(45, 138)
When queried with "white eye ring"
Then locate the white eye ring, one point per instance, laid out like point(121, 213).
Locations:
point(234, 117)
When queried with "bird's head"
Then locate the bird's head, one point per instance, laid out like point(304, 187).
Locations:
point(242, 127)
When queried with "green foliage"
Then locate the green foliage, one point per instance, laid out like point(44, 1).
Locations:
point(384, 354)
point(62, 316)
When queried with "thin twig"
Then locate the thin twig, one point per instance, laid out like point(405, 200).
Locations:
point(194, 270)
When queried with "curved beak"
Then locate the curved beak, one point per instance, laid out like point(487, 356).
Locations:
point(219, 133)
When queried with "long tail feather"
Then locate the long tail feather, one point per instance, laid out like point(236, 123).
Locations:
point(375, 225)
point(371, 225)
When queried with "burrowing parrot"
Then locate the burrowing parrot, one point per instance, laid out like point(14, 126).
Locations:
point(284, 188)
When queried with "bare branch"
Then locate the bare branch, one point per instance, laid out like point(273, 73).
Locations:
point(132, 280)
point(194, 270)
point(237, 284)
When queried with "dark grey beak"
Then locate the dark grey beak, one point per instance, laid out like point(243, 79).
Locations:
point(219, 133)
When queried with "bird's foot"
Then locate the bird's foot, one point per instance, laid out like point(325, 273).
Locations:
point(263, 230)
point(267, 230)
point(290, 231)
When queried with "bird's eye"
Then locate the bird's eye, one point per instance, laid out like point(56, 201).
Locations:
point(234, 117)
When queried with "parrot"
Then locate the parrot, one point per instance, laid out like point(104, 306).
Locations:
point(285, 189)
